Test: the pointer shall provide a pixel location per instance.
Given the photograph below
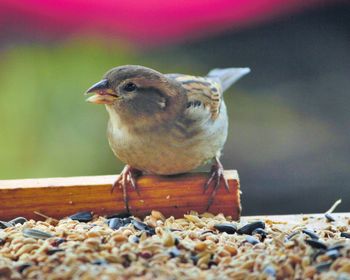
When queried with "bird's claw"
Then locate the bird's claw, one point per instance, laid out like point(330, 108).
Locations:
point(127, 177)
point(216, 175)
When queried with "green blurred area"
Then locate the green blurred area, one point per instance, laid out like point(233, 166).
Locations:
point(47, 128)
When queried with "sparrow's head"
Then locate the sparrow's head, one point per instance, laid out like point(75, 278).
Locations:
point(134, 92)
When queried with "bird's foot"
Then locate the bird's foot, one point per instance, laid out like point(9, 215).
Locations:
point(216, 175)
point(127, 178)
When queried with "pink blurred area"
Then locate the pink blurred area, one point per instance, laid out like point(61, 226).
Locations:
point(148, 21)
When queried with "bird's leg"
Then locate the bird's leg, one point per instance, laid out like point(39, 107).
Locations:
point(216, 174)
point(127, 177)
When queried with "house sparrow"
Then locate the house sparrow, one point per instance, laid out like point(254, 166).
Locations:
point(165, 124)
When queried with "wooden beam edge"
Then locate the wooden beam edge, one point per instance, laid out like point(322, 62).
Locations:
point(93, 180)
point(172, 195)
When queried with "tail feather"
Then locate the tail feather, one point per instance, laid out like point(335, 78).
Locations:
point(227, 76)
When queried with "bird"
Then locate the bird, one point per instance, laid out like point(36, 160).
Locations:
point(165, 124)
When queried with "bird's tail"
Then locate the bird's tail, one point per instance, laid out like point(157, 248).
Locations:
point(227, 76)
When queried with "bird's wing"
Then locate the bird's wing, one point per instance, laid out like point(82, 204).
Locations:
point(204, 94)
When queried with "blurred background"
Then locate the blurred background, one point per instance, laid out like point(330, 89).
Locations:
point(289, 119)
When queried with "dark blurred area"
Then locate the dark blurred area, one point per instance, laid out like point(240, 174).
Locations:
point(289, 119)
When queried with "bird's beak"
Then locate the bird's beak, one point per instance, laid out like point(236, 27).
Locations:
point(102, 93)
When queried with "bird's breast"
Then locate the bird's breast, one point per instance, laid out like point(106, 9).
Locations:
point(166, 150)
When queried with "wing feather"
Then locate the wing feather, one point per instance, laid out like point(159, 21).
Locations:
point(201, 91)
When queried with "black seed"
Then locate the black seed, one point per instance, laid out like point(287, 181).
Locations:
point(228, 228)
point(316, 244)
point(194, 259)
point(127, 221)
point(176, 241)
point(54, 251)
point(345, 234)
point(82, 216)
point(135, 239)
point(261, 232)
point(270, 271)
point(324, 266)
point(18, 220)
point(311, 233)
point(143, 227)
point(151, 231)
point(4, 224)
point(175, 229)
point(252, 240)
point(139, 225)
point(2, 241)
point(100, 262)
point(174, 252)
point(22, 267)
point(119, 215)
point(211, 263)
point(115, 223)
point(57, 242)
point(34, 233)
point(333, 254)
point(208, 231)
point(335, 247)
point(329, 217)
point(249, 228)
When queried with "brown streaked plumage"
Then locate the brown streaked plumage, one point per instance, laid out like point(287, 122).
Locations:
point(165, 123)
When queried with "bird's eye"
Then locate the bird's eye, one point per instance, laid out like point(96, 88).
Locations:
point(129, 87)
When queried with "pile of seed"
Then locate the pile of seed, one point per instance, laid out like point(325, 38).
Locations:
point(205, 246)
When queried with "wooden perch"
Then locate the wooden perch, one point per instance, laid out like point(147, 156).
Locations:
point(60, 197)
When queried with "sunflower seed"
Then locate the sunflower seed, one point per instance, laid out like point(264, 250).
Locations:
point(249, 228)
point(311, 233)
point(335, 247)
point(252, 240)
point(115, 223)
point(4, 224)
point(324, 266)
point(54, 251)
point(18, 220)
point(34, 233)
point(228, 228)
point(194, 259)
point(333, 254)
point(316, 244)
point(127, 221)
point(134, 239)
point(140, 225)
point(345, 234)
point(82, 216)
point(143, 227)
point(100, 262)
